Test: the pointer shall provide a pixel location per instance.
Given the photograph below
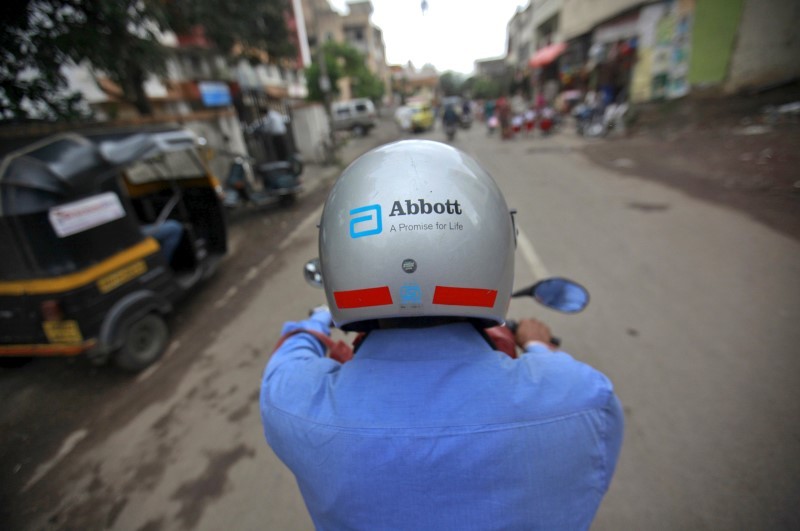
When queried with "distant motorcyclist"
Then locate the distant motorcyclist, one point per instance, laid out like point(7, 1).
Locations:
point(450, 121)
point(429, 427)
point(450, 116)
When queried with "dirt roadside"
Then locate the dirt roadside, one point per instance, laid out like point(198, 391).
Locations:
point(731, 151)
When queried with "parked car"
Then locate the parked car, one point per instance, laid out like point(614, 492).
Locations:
point(356, 115)
point(422, 118)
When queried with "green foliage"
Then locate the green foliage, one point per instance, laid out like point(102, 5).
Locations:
point(482, 87)
point(33, 50)
point(451, 84)
point(342, 60)
point(117, 37)
point(255, 24)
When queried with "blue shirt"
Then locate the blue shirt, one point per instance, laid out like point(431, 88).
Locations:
point(432, 429)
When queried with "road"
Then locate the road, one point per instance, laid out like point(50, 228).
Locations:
point(694, 317)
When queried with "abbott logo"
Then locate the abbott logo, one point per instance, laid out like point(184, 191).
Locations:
point(368, 224)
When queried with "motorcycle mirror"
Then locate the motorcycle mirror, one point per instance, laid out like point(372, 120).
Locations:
point(557, 294)
point(313, 273)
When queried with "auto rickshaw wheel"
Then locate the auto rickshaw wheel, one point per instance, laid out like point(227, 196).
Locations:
point(143, 342)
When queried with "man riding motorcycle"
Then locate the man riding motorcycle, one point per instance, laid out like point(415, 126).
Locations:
point(428, 426)
point(450, 121)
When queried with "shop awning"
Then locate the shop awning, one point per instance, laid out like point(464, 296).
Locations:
point(547, 55)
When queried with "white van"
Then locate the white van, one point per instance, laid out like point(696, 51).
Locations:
point(356, 115)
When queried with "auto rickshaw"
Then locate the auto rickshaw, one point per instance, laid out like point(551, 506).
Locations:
point(84, 268)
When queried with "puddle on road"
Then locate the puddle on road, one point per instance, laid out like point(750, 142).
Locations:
point(648, 207)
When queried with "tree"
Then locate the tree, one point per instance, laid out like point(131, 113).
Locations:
point(342, 60)
point(31, 81)
point(130, 49)
point(451, 83)
point(119, 38)
point(255, 25)
point(482, 87)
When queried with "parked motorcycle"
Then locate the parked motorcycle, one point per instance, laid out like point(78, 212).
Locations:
point(263, 183)
point(556, 293)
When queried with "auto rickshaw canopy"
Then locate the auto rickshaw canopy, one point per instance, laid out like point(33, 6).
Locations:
point(69, 166)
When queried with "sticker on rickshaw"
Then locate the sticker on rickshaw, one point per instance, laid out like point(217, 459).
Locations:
point(121, 276)
point(62, 331)
point(86, 214)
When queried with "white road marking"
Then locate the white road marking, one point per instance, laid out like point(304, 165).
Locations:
point(250, 275)
point(313, 218)
point(531, 258)
point(227, 297)
point(67, 446)
point(266, 261)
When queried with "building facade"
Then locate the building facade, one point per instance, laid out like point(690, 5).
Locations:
point(521, 42)
point(412, 84)
point(355, 28)
point(642, 50)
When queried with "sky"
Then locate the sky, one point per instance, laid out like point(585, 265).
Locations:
point(451, 35)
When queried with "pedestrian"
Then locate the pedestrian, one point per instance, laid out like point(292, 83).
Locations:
point(530, 120)
point(547, 120)
point(503, 110)
point(541, 102)
point(273, 125)
point(516, 124)
point(488, 109)
point(428, 426)
point(492, 124)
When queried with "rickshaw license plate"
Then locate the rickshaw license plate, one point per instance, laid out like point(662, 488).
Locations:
point(62, 331)
point(121, 276)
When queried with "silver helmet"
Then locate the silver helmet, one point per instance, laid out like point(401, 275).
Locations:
point(416, 228)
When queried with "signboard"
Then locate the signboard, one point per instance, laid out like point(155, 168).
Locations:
point(215, 93)
point(86, 214)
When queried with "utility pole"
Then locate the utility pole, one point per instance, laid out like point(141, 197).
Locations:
point(324, 80)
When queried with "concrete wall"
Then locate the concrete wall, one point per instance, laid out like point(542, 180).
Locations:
point(310, 125)
point(767, 49)
point(520, 31)
point(715, 26)
point(543, 11)
point(580, 16)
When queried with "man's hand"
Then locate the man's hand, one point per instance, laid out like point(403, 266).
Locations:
point(532, 330)
point(323, 315)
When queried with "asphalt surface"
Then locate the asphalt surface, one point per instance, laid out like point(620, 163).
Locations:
point(693, 316)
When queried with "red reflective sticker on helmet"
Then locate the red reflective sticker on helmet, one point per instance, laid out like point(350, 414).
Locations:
point(464, 296)
point(362, 298)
